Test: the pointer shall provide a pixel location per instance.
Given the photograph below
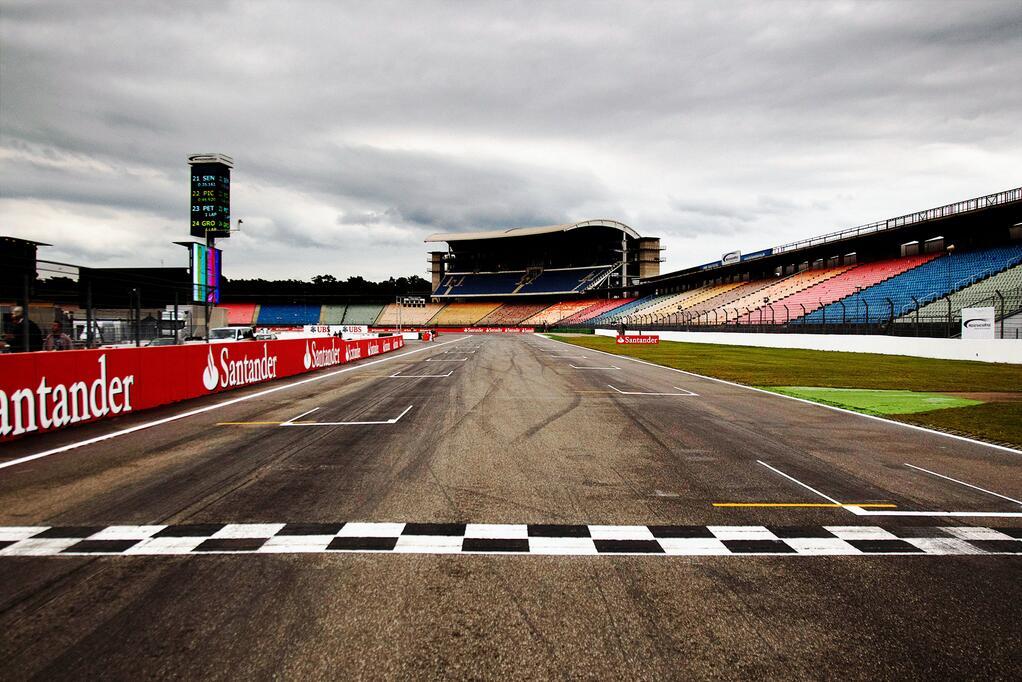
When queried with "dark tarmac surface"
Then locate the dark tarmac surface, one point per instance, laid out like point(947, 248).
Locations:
point(523, 430)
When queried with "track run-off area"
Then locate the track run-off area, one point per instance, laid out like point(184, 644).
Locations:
point(507, 505)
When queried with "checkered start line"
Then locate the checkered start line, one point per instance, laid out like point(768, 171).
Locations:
point(473, 538)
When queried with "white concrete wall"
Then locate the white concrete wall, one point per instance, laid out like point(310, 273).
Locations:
point(993, 350)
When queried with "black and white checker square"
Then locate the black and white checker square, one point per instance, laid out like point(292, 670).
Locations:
point(519, 539)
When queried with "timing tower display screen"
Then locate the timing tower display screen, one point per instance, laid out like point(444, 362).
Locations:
point(205, 267)
point(211, 200)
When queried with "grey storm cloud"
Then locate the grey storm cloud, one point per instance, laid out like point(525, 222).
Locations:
point(359, 128)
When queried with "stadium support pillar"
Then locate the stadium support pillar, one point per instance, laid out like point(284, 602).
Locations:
point(211, 244)
point(26, 338)
point(624, 260)
point(89, 316)
point(1000, 298)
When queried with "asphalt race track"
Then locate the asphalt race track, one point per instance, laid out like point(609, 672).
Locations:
point(509, 506)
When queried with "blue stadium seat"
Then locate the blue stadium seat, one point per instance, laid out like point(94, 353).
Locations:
point(564, 281)
point(918, 286)
point(276, 314)
point(621, 311)
point(479, 283)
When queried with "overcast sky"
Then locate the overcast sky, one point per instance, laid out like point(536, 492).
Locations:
point(359, 128)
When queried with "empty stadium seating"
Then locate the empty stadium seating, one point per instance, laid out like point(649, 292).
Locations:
point(595, 310)
point(241, 314)
point(558, 312)
point(459, 314)
point(512, 314)
point(708, 310)
point(332, 314)
point(1007, 283)
point(847, 283)
point(362, 313)
point(927, 282)
point(673, 309)
point(754, 306)
point(868, 292)
point(290, 314)
point(621, 312)
point(565, 281)
point(474, 284)
point(409, 315)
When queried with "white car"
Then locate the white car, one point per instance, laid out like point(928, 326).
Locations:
point(222, 334)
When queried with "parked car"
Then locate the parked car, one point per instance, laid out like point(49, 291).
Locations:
point(221, 334)
point(161, 341)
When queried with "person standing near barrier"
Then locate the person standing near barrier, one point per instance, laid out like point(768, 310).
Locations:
point(57, 339)
point(22, 327)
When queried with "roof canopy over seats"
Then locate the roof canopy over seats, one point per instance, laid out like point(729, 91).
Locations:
point(529, 231)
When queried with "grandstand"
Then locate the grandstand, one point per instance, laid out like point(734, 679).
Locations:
point(843, 285)
point(929, 281)
point(462, 314)
point(571, 259)
point(558, 312)
point(362, 313)
point(241, 314)
point(332, 314)
point(914, 270)
point(595, 310)
point(1001, 290)
point(510, 314)
point(288, 315)
point(393, 315)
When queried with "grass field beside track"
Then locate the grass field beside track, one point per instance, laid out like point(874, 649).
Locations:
point(788, 370)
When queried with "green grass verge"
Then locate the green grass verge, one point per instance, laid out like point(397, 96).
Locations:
point(791, 367)
point(996, 422)
point(999, 422)
point(873, 401)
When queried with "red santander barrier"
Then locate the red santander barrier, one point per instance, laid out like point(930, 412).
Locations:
point(47, 391)
point(638, 339)
point(460, 330)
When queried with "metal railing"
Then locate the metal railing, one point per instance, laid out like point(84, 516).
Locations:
point(956, 208)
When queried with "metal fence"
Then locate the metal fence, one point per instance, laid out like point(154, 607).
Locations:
point(69, 307)
point(940, 318)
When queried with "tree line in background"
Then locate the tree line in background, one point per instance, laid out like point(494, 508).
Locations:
point(324, 285)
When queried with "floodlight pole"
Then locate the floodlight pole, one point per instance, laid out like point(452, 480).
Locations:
point(210, 245)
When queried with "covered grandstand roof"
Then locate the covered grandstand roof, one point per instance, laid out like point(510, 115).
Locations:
point(529, 231)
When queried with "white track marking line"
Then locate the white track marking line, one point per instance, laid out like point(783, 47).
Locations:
point(399, 375)
point(395, 420)
point(1003, 448)
point(577, 367)
point(858, 511)
point(683, 392)
point(294, 419)
point(968, 485)
point(798, 482)
point(210, 408)
point(956, 514)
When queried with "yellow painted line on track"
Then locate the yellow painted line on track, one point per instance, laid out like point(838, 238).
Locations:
point(800, 504)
